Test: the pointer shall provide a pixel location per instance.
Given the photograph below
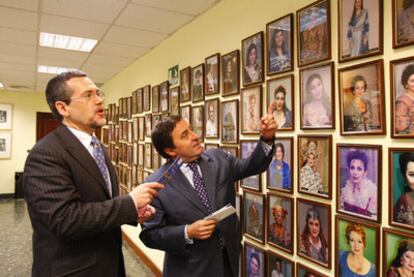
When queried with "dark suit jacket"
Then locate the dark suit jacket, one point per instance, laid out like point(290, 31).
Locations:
point(76, 225)
point(178, 204)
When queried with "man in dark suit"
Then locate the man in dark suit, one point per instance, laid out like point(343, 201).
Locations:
point(203, 184)
point(72, 192)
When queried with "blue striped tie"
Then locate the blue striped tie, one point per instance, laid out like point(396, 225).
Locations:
point(99, 157)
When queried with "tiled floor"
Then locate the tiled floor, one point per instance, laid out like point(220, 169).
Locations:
point(16, 243)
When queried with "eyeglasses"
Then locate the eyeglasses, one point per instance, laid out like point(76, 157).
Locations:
point(88, 95)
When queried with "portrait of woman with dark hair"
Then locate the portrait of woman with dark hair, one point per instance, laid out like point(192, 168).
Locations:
point(405, 22)
point(404, 207)
point(403, 263)
point(358, 30)
point(279, 170)
point(252, 71)
point(281, 113)
point(404, 106)
point(279, 53)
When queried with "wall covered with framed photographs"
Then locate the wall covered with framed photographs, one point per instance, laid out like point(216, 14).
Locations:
point(342, 165)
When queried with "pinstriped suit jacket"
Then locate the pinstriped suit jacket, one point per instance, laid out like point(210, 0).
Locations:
point(76, 225)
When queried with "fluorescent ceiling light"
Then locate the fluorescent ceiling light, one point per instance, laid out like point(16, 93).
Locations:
point(1, 85)
point(52, 69)
point(66, 42)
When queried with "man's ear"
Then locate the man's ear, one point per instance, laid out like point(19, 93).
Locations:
point(171, 152)
point(62, 108)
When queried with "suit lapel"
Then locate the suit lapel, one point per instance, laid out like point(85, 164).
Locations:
point(209, 171)
point(79, 153)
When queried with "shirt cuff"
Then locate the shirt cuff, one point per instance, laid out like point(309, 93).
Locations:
point(266, 147)
point(133, 200)
point(187, 239)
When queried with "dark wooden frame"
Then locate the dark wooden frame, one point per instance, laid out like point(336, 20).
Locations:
point(147, 98)
point(243, 259)
point(164, 86)
point(259, 176)
point(140, 100)
point(302, 62)
point(385, 233)
point(193, 71)
point(216, 103)
point(235, 72)
point(316, 69)
point(174, 96)
point(300, 266)
point(377, 148)
point(155, 99)
point(141, 156)
point(227, 147)
point(269, 35)
point(291, 166)
point(244, 46)
point(257, 90)
point(236, 121)
point(193, 111)
point(269, 253)
point(395, 43)
point(261, 196)
point(148, 159)
point(187, 72)
point(189, 112)
point(141, 128)
point(208, 62)
point(380, 84)
point(148, 129)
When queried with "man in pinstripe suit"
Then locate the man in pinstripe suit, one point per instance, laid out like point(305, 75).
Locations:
point(71, 189)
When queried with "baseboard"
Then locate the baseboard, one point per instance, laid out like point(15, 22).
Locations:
point(144, 258)
point(6, 195)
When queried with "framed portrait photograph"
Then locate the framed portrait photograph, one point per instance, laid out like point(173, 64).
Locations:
point(253, 59)
point(315, 165)
point(155, 99)
point(148, 127)
point(253, 215)
point(141, 128)
point(279, 45)
point(361, 98)
point(185, 84)
point(317, 94)
point(134, 153)
point(175, 101)
point(253, 261)
point(164, 97)
point(212, 80)
point(156, 118)
point(148, 155)
point(253, 182)
point(230, 73)
point(280, 98)
point(358, 188)
point(232, 150)
point(173, 75)
point(314, 231)
point(402, 23)
point(197, 83)
point(212, 118)
point(360, 29)
point(230, 121)
point(185, 112)
point(141, 155)
point(357, 241)
point(402, 98)
point(401, 187)
point(251, 104)
point(197, 121)
point(280, 171)
point(134, 107)
point(314, 33)
point(208, 146)
point(304, 271)
point(140, 101)
point(147, 98)
point(155, 158)
point(280, 222)
point(397, 253)
point(279, 266)
point(5, 145)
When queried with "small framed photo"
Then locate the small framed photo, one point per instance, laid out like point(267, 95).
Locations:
point(141, 127)
point(314, 29)
point(280, 222)
point(358, 186)
point(251, 99)
point(278, 266)
point(403, 29)
point(173, 75)
point(197, 81)
point(253, 59)
point(156, 118)
point(397, 252)
point(164, 97)
point(185, 112)
point(359, 29)
point(212, 81)
point(279, 45)
point(208, 146)
point(232, 150)
point(313, 231)
point(401, 187)
point(356, 239)
point(230, 64)
point(5, 145)
point(317, 94)
point(253, 215)
point(148, 126)
point(185, 84)
point(175, 100)
point(315, 165)
point(134, 107)
point(155, 99)
point(140, 100)
point(304, 271)
point(197, 121)
point(147, 98)
point(253, 182)
point(361, 98)
point(212, 118)
point(280, 172)
point(230, 121)
point(141, 155)
point(148, 155)
point(402, 91)
point(253, 261)
point(155, 158)
point(280, 98)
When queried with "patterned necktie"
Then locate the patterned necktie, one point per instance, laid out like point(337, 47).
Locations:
point(99, 157)
point(199, 185)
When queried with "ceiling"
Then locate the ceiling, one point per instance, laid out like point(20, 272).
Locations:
point(125, 30)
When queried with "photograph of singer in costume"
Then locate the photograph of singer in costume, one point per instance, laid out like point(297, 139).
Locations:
point(205, 183)
point(403, 262)
point(404, 206)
